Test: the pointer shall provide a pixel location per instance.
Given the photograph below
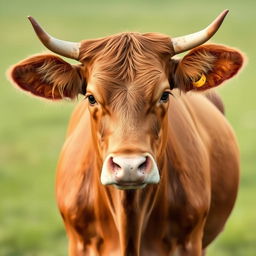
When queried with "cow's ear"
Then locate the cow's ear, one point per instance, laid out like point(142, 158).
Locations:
point(48, 76)
point(206, 66)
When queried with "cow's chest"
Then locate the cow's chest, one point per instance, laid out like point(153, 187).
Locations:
point(101, 234)
point(127, 224)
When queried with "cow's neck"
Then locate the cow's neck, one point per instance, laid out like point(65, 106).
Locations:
point(130, 211)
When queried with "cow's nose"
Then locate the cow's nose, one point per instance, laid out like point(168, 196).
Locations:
point(129, 172)
point(132, 169)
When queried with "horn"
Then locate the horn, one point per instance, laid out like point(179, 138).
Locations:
point(64, 48)
point(184, 43)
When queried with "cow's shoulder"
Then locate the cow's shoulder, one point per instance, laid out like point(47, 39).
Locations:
point(80, 111)
point(77, 161)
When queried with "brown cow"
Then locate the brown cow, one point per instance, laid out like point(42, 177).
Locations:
point(168, 157)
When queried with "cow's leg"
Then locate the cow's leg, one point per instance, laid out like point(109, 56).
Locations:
point(75, 243)
point(191, 250)
point(193, 246)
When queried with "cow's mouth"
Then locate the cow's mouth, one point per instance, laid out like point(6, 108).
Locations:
point(128, 185)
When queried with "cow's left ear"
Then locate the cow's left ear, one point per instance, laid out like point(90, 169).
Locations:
point(206, 66)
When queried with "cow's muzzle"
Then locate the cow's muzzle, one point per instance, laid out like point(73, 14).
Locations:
point(129, 172)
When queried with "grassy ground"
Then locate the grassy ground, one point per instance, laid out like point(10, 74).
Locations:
point(32, 131)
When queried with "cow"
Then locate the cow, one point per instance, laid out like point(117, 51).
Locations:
point(150, 165)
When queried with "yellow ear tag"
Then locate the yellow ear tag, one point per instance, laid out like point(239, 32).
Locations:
point(200, 82)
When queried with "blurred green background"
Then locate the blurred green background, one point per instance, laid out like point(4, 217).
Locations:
point(32, 131)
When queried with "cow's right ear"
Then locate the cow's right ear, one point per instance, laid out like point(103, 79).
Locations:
point(48, 76)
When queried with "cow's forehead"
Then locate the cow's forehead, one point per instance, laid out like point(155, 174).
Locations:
point(130, 69)
point(126, 70)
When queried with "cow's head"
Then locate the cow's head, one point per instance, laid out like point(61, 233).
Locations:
point(127, 80)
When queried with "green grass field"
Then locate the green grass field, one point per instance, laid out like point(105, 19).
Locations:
point(32, 131)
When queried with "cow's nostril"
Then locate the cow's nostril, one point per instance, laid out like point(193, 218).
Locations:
point(143, 166)
point(114, 166)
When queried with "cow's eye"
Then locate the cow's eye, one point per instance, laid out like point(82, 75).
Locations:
point(91, 99)
point(165, 97)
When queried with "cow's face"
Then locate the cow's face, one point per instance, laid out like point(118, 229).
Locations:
point(128, 96)
point(127, 81)
point(128, 122)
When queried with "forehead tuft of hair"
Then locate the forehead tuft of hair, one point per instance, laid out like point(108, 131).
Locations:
point(127, 57)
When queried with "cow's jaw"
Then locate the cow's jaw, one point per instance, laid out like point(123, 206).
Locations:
point(129, 172)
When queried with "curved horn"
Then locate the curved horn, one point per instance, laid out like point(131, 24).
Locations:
point(184, 43)
point(64, 48)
